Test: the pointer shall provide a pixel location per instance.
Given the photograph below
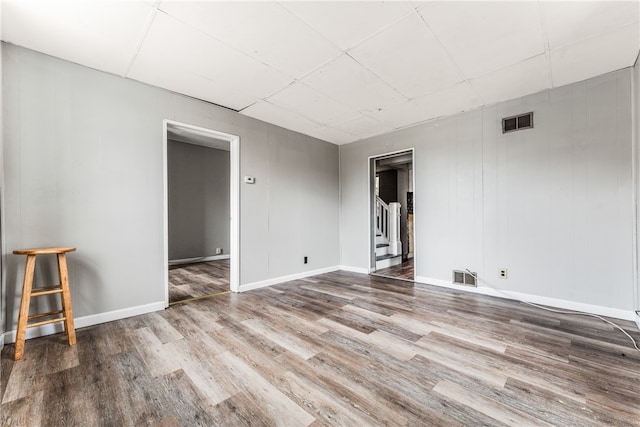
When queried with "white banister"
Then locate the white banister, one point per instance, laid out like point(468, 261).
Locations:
point(395, 245)
point(388, 224)
point(382, 218)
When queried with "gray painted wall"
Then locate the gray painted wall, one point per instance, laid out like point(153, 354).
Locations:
point(83, 167)
point(552, 204)
point(198, 179)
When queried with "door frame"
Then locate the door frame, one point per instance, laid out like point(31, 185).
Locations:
point(234, 194)
point(371, 174)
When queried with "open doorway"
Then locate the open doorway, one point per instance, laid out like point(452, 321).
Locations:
point(201, 200)
point(391, 190)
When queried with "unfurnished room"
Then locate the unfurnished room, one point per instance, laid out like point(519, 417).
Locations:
point(319, 213)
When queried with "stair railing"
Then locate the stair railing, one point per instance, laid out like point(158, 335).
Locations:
point(382, 218)
point(388, 224)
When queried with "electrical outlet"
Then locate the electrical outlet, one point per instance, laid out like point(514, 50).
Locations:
point(218, 251)
point(502, 273)
point(305, 260)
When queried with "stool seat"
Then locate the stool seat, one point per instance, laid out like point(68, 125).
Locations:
point(43, 251)
point(28, 291)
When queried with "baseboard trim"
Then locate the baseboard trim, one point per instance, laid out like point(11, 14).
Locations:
point(637, 319)
point(200, 259)
point(353, 269)
point(536, 299)
point(82, 322)
point(282, 279)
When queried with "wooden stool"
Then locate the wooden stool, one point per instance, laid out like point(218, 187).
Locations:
point(28, 291)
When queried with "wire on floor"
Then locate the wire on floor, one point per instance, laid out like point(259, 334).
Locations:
point(578, 313)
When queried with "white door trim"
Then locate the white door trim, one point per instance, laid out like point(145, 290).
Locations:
point(370, 173)
point(234, 230)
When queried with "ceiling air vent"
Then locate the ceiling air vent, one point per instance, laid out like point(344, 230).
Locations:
point(464, 278)
point(523, 121)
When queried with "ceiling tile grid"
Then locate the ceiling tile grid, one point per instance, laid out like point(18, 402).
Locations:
point(345, 80)
point(270, 38)
point(486, 36)
point(103, 35)
point(348, 23)
point(409, 58)
point(181, 58)
point(303, 100)
point(270, 113)
point(339, 71)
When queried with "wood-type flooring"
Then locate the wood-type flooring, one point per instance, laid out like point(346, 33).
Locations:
point(187, 281)
point(401, 271)
point(335, 349)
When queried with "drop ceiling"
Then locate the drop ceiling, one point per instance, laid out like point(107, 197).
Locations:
point(338, 71)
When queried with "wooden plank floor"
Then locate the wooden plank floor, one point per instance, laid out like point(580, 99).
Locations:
point(400, 271)
point(198, 279)
point(335, 349)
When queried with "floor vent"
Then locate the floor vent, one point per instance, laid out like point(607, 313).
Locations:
point(523, 121)
point(464, 278)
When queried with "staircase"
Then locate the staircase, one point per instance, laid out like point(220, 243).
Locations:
point(388, 244)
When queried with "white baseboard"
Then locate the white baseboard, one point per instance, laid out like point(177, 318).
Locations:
point(637, 319)
point(83, 322)
point(282, 279)
point(199, 259)
point(353, 269)
point(536, 299)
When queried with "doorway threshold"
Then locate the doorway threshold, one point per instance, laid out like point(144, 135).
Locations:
point(392, 277)
point(198, 298)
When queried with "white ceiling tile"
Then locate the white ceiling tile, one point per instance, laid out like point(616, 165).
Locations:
point(598, 55)
point(332, 135)
point(263, 30)
point(179, 58)
point(521, 79)
point(238, 53)
point(98, 34)
point(486, 36)
point(348, 23)
point(345, 80)
point(569, 22)
point(458, 98)
point(270, 113)
point(309, 103)
point(363, 127)
point(409, 58)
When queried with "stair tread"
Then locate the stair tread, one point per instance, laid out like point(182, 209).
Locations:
point(381, 257)
point(381, 245)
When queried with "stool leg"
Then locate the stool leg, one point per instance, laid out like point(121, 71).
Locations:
point(66, 299)
point(24, 306)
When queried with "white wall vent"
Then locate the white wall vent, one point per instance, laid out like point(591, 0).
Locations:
point(464, 278)
point(523, 121)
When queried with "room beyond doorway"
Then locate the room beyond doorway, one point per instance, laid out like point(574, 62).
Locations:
point(181, 139)
point(391, 195)
point(196, 281)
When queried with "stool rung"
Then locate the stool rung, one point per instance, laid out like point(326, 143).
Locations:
point(51, 313)
point(46, 322)
point(46, 291)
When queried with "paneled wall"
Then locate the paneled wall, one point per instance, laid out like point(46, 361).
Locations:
point(83, 167)
point(552, 204)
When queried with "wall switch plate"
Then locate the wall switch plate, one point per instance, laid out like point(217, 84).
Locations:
point(218, 251)
point(502, 273)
